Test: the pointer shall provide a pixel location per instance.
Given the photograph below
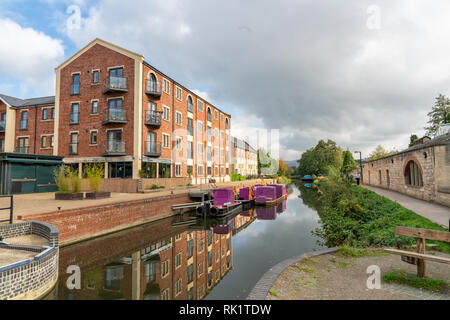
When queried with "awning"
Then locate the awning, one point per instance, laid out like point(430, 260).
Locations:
point(32, 161)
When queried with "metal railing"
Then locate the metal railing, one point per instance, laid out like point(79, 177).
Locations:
point(114, 147)
point(153, 87)
point(10, 208)
point(153, 117)
point(114, 115)
point(152, 148)
point(115, 83)
point(73, 148)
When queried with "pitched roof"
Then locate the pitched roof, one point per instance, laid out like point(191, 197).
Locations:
point(20, 103)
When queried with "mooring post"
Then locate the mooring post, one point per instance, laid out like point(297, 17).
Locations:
point(11, 210)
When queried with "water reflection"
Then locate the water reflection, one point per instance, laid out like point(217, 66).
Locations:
point(209, 258)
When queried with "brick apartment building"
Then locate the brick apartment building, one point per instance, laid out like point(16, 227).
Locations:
point(114, 108)
point(244, 158)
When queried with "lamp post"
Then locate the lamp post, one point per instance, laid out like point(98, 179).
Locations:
point(360, 164)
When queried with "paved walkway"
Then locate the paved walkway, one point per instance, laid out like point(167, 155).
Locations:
point(25, 204)
point(335, 277)
point(432, 211)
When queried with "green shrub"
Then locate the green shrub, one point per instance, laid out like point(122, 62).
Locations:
point(414, 281)
point(76, 181)
point(237, 177)
point(62, 180)
point(95, 174)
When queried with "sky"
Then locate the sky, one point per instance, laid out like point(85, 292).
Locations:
point(362, 73)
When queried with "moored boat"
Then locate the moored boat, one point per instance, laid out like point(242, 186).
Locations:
point(307, 178)
point(222, 204)
point(270, 195)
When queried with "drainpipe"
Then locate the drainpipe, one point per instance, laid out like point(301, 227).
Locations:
point(35, 128)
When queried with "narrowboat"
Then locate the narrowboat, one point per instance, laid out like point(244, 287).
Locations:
point(307, 178)
point(222, 204)
point(225, 228)
point(270, 195)
point(246, 198)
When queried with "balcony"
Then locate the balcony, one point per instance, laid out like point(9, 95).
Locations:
point(73, 148)
point(153, 118)
point(114, 148)
point(22, 149)
point(152, 149)
point(74, 117)
point(2, 126)
point(115, 84)
point(114, 116)
point(153, 88)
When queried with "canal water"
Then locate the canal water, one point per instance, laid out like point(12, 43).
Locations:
point(204, 259)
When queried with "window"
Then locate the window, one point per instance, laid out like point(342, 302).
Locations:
point(190, 294)
point(178, 260)
point(73, 146)
point(165, 170)
point(74, 113)
point(210, 279)
point(189, 170)
point(201, 291)
point(178, 118)
point(216, 115)
point(120, 170)
point(217, 275)
point(208, 171)
point(200, 269)
point(216, 155)
point(166, 141)
point(75, 87)
point(190, 126)
point(166, 113)
point(52, 140)
point(208, 154)
point(178, 145)
point(95, 77)
point(166, 86)
point(53, 113)
point(164, 268)
point(165, 294)
point(200, 170)
point(216, 171)
point(179, 236)
point(94, 107)
point(413, 174)
point(190, 151)
point(209, 258)
point(44, 114)
point(216, 134)
point(93, 137)
point(190, 273)
point(221, 117)
point(200, 150)
point(190, 248)
point(226, 124)
point(208, 115)
point(178, 170)
point(22, 145)
point(190, 104)
point(199, 129)
point(208, 133)
point(200, 106)
point(178, 286)
point(178, 94)
point(44, 142)
point(200, 245)
point(24, 120)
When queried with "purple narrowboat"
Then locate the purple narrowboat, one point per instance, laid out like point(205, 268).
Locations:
point(281, 190)
point(265, 195)
point(225, 229)
point(222, 204)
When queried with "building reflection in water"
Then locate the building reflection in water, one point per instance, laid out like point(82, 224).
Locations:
point(157, 261)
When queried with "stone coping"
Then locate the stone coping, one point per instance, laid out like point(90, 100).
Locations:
point(262, 287)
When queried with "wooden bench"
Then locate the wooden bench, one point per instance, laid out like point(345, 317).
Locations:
point(418, 258)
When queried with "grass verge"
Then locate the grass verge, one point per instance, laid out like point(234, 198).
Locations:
point(402, 277)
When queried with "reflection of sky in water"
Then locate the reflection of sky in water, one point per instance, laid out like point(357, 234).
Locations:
point(265, 243)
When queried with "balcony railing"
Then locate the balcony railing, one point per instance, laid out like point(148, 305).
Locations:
point(22, 149)
point(153, 118)
point(114, 116)
point(74, 117)
point(152, 149)
point(23, 124)
point(75, 88)
point(153, 88)
point(114, 148)
point(73, 148)
point(2, 126)
point(113, 84)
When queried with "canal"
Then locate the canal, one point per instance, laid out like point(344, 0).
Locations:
point(206, 259)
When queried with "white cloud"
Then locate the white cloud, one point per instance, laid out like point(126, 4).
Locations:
point(29, 56)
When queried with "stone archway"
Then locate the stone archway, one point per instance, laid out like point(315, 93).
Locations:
point(413, 172)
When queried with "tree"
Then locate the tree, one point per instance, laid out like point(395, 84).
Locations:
point(412, 139)
point(316, 161)
point(439, 114)
point(284, 169)
point(266, 165)
point(379, 153)
point(349, 164)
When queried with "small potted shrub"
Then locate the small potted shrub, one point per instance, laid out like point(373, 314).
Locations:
point(68, 183)
point(95, 174)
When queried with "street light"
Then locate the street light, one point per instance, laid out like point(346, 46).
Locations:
point(360, 164)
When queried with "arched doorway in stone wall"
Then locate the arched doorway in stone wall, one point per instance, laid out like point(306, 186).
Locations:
point(413, 174)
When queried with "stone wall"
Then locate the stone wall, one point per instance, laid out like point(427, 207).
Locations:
point(30, 278)
point(433, 162)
